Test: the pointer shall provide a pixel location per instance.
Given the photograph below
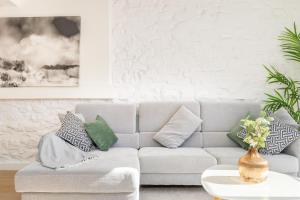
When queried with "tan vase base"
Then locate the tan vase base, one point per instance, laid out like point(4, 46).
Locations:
point(252, 167)
point(252, 175)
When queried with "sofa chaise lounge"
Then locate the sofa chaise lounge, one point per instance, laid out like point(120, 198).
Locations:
point(136, 159)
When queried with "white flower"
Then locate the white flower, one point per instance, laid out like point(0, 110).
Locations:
point(252, 143)
point(263, 121)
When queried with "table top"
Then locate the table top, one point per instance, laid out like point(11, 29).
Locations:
point(223, 181)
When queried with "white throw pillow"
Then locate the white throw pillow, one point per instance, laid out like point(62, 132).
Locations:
point(178, 129)
point(61, 116)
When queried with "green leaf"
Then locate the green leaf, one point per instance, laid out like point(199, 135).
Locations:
point(286, 95)
point(290, 43)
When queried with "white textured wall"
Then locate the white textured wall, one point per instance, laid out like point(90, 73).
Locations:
point(22, 123)
point(170, 49)
point(197, 48)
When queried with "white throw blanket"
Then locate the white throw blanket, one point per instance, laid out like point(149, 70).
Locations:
point(55, 153)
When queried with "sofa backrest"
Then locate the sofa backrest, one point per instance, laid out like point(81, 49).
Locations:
point(120, 117)
point(219, 117)
point(152, 116)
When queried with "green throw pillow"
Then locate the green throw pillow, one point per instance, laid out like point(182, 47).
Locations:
point(101, 133)
point(235, 130)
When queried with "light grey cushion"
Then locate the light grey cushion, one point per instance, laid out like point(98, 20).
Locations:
point(120, 117)
point(180, 160)
point(154, 115)
point(294, 150)
point(226, 155)
point(221, 116)
point(171, 179)
point(179, 128)
point(127, 140)
point(146, 140)
point(81, 196)
point(283, 163)
point(285, 117)
point(115, 171)
point(217, 139)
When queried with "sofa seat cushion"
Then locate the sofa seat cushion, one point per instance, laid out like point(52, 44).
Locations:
point(283, 163)
point(115, 171)
point(180, 160)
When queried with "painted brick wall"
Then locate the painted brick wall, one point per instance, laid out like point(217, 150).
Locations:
point(170, 49)
point(197, 48)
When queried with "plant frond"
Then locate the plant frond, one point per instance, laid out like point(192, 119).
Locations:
point(286, 95)
point(290, 43)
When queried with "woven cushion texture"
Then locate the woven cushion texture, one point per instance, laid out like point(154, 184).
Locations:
point(281, 135)
point(72, 130)
point(61, 116)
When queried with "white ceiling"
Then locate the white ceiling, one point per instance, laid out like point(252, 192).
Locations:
point(5, 3)
point(9, 2)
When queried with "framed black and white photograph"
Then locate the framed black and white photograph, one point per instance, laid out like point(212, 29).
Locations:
point(39, 51)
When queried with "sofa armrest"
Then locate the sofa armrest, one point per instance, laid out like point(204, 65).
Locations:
point(294, 150)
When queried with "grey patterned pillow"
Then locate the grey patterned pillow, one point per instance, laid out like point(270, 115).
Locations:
point(281, 135)
point(72, 130)
point(61, 116)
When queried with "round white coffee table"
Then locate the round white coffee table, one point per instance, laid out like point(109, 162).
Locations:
point(223, 182)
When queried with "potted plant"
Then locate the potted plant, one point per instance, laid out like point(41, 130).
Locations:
point(253, 167)
point(287, 91)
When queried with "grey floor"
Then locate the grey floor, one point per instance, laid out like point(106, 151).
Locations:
point(173, 193)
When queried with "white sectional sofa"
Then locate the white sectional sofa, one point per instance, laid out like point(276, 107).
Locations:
point(163, 166)
point(136, 159)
